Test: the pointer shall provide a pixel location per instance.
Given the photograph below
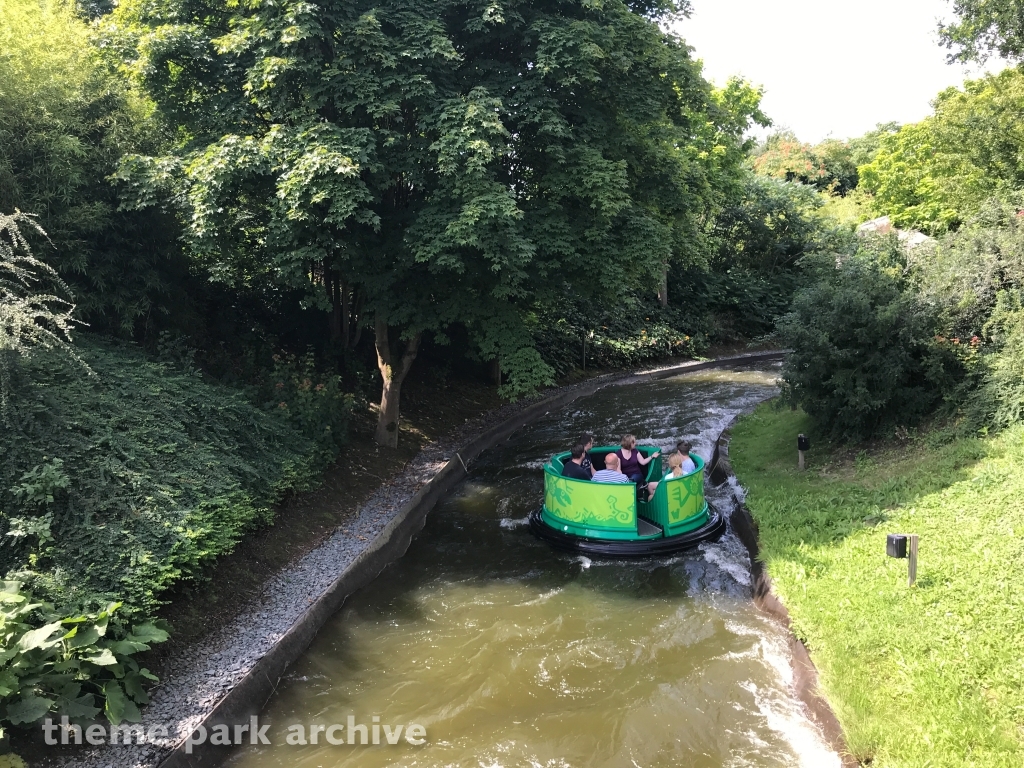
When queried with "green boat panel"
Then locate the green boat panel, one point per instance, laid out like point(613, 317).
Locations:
point(575, 529)
point(678, 504)
point(603, 506)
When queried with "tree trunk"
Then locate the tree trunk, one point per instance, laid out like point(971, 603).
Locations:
point(345, 317)
point(663, 288)
point(334, 289)
point(357, 310)
point(392, 375)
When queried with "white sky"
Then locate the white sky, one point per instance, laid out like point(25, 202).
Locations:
point(829, 67)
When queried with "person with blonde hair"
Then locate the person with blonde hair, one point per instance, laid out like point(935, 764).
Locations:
point(679, 464)
point(631, 461)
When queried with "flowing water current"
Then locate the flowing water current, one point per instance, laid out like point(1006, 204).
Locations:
point(511, 654)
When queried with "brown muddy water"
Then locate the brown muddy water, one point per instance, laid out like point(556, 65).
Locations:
point(511, 654)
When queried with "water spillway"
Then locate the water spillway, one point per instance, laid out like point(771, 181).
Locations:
point(510, 653)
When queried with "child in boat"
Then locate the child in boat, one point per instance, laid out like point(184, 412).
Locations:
point(683, 448)
point(610, 473)
point(587, 441)
point(631, 460)
point(574, 467)
point(677, 467)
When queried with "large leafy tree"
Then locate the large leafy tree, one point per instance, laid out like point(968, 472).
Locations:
point(828, 166)
point(65, 120)
point(984, 27)
point(934, 174)
point(421, 164)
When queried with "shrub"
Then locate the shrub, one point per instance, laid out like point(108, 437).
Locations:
point(31, 314)
point(312, 401)
point(864, 358)
point(114, 487)
point(963, 272)
point(999, 401)
point(641, 334)
point(77, 665)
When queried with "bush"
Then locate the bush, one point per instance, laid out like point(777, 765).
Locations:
point(865, 358)
point(312, 401)
point(963, 272)
point(644, 333)
point(999, 401)
point(77, 665)
point(115, 486)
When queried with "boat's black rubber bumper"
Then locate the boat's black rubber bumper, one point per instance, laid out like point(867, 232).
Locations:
point(583, 545)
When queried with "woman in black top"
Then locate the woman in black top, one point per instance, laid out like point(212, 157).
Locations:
point(632, 461)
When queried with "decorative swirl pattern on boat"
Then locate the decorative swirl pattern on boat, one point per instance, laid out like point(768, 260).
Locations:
point(618, 514)
point(586, 503)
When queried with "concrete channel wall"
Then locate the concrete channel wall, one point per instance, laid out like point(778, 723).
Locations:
point(249, 696)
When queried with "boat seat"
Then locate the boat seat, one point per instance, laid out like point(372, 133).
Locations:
point(647, 528)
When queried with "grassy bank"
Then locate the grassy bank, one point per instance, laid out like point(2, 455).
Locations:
point(925, 676)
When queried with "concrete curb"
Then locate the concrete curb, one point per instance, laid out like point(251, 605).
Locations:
point(805, 674)
point(250, 695)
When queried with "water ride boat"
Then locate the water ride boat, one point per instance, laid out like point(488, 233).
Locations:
point(612, 520)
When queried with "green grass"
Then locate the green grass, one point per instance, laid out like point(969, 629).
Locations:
point(925, 676)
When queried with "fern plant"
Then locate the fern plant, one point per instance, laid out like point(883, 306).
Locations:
point(32, 314)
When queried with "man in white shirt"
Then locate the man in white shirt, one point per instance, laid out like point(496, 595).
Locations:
point(610, 473)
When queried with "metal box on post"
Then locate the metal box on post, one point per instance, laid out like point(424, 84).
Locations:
point(896, 545)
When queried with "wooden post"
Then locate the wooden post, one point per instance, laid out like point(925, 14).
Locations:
point(912, 560)
point(800, 460)
point(584, 350)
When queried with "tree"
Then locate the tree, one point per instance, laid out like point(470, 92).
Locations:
point(827, 166)
point(65, 120)
point(934, 174)
point(433, 164)
point(985, 27)
point(864, 357)
point(864, 148)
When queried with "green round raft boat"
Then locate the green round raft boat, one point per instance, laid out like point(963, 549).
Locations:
point(610, 520)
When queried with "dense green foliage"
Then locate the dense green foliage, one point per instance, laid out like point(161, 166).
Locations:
point(934, 174)
point(117, 485)
point(75, 665)
point(974, 277)
point(65, 122)
point(885, 337)
point(864, 357)
point(828, 166)
point(759, 240)
point(438, 164)
point(929, 675)
point(985, 27)
point(948, 309)
point(35, 310)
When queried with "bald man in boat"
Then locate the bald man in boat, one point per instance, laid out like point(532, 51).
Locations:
point(610, 473)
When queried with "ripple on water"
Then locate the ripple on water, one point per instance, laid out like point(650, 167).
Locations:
point(512, 654)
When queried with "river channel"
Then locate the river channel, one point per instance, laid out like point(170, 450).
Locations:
point(511, 654)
